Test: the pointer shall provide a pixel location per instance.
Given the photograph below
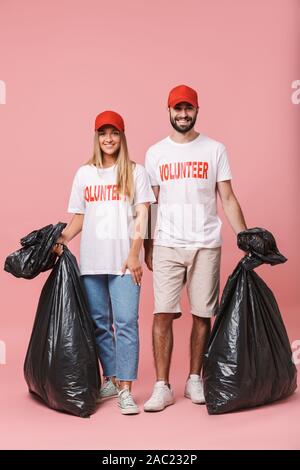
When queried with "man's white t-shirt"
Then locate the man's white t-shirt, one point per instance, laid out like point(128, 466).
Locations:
point(187, 175)
point(108, 224)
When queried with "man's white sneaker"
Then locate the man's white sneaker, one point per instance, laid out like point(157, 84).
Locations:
point(194, 389)
point(108, 390)
point(126, 403)
point(161, 397)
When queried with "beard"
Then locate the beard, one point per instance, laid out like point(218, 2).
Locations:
point(190, 122)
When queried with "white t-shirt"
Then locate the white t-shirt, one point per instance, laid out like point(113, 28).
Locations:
point(187, 175)
point(108, 217)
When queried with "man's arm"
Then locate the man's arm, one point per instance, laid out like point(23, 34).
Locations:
point(231, 206)
point(148, 241)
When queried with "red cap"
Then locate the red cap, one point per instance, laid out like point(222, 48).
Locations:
point(109, 118)
point(183, 93)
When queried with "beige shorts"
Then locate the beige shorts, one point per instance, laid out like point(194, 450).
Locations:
point(199, 269)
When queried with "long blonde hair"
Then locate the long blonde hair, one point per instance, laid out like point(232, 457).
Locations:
point(125, 167)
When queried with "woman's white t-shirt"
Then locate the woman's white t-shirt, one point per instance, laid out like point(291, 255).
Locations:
point(108, 224)
point(187, 206)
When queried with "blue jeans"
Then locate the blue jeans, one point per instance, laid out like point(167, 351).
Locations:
point(113, 302)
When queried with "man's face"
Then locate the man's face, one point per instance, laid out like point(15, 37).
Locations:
point(183, 117)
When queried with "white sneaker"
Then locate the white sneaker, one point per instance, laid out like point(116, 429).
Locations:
point(161, 397)
point(194, 389)
point(108, 390)
point(126, 403)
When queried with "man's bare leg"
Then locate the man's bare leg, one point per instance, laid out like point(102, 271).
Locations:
point(199, 338)
point(162, 336)
point(162, 395)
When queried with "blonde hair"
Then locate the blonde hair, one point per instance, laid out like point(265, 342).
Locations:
point(125, 167)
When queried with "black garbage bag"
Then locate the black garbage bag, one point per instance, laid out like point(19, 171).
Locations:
point(36, 254)
point(248, 361)
point(61, 364)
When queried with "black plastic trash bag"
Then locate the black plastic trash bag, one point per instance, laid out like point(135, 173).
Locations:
point(61, 364)
point(36, 254)
point(248, 361)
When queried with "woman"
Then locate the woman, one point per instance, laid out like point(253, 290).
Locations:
point(110, 198)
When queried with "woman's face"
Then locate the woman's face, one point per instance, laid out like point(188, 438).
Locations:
point(109, 140)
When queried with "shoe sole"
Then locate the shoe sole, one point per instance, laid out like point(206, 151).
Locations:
point(130, 412)
point(193, 401)
point(149, 410)
point(106, 398)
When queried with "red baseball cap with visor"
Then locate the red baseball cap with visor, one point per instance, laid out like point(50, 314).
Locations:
point(109, 118)
point(182, 94)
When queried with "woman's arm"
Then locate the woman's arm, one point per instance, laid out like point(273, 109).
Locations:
point(72, 229)
point(140, 226)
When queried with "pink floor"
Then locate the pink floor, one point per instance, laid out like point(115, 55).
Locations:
point(27, 424)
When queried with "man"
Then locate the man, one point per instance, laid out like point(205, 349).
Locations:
point(186, 171)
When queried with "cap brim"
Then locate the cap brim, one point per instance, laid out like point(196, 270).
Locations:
point(109, 124)
point(182, 99)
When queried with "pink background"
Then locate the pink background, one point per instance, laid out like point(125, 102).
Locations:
point(63, 62)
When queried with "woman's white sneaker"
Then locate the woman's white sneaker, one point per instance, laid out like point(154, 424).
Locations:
point(126, 402)
point(194, 389)
point(161, 397)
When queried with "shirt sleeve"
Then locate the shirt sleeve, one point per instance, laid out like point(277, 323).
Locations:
point(223, 168)
point(76, 201)
point(142, 191)
point(150, 168)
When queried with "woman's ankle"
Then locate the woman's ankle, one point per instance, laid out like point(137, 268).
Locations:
point(125, 384)
point(111, 378)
